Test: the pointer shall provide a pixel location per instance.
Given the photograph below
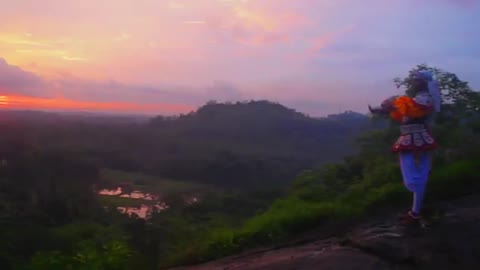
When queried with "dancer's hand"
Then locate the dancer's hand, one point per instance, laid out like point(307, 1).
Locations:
point(376, 110)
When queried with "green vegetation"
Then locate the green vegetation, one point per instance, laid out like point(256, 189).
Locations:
point(115, 201)
point(369, 181)
point(246, 145)
point(149, 184)
point(261, 182)
point(296, 214)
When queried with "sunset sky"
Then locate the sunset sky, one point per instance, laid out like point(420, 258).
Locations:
point(170, 56)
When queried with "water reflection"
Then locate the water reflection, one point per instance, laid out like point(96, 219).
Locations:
point(144, 210)
point(111, 192)
point(136, 194)
point(140, 195)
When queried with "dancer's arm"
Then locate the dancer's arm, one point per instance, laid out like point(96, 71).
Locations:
point(407, 107)
point(385, 108)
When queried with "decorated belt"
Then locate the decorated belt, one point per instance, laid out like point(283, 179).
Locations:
point(407, 129)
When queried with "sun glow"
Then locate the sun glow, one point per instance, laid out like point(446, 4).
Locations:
point(3, 100)
point(26, 102)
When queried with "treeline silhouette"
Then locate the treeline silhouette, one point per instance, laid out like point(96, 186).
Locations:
point(243, 144)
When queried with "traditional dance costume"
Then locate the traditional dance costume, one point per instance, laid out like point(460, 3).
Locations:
point(416, 140)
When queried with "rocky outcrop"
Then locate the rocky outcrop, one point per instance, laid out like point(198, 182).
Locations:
point(450, 241)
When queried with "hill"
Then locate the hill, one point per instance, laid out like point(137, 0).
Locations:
point(245, 144)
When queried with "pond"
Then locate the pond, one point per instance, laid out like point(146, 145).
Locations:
point(148, 203)
point(144, 211)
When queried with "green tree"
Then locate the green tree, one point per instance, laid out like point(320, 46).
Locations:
point(454, 90)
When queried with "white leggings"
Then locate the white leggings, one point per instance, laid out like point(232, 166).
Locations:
point(415, 175)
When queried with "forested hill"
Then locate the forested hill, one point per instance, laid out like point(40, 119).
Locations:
point(244, 144)
point(266, 125)
point(257, 141)
point(262, 119)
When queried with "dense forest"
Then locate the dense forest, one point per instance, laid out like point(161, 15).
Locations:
point(266, 174)
point(231, 145)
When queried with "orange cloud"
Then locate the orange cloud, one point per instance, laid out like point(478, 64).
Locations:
point(51, 53)
point(27, 102)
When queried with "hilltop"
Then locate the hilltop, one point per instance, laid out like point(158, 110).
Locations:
point(450, 242)
point(260, 140)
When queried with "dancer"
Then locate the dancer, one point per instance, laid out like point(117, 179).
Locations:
point(416, 141)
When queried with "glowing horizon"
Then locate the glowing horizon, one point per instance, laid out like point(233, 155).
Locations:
point(11, 102)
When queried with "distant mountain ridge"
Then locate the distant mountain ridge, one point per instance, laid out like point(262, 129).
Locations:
point(263, 120)
point(243, 144)
point(266, 134)
point(348, 115)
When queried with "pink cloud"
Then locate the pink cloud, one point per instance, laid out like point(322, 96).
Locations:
point(28, 90)
point(145, 51)
point(321, 42)
point(256, 23)
point(101, 94)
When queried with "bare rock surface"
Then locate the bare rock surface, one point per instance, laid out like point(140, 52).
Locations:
point(449, 240)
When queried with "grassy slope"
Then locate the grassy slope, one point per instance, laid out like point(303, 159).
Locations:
point(148, 183)
point(296, 213)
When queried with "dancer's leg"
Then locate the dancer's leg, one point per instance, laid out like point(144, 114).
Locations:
point(407, 166)
point(415, 170)
point(423, 171)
